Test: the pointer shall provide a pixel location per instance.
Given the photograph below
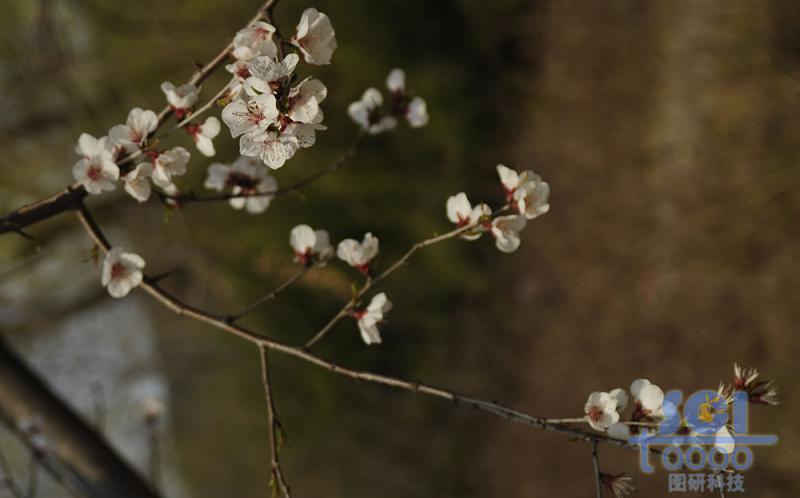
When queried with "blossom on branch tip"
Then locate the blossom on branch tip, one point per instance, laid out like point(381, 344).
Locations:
point(255, 40)
point(601, 410)
point(762, 392)
point(133, 134)
point(97, 173)
point(370, 317)
point(122, 271)
point(204, 134)
point(181, 98)
point(367, 113)
point(137, 181)
point(358, 255)
point(461, 212)
point(310, 246)
point(315, 37)
point(248, 179)
point(506, 232)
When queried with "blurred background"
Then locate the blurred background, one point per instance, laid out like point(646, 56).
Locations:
point(668, 134)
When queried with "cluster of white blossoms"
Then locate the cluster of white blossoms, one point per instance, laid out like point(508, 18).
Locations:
point(252, 187)
point(526, 195)
point(370, 114)
point(604, 409)
point(273, 118)
point(312, 247)
point(98, 169)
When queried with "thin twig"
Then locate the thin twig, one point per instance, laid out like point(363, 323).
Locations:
point(596, 470)
point(219, 322)
point(343, 312)
point(278, 480)
point(270, 295)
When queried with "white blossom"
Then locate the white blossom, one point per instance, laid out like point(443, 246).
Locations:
point(122, 271)
point(371, 316)
point(255, 40)
point(97, 173)
point(181, 98)
point(506, 232)
point(367, 113)
point(268, 74)
point(168, 164)
point(415, 109)
point(253, 116)
point(310, 246)
point(358, 255)
point(247, 178)
point(89, 146)
point(137, 181)
point(133, 134)
point(620, 398)
point(462, 213)
point(304, 101)
point(305, 133)
point(272, 147)
point(601, 411)
point(204, 134)
point(649, 397)
point(530, 198)
point(417, 113)
point(315, 37)
point(512, 180)
point(723, 440)
point(396, 81)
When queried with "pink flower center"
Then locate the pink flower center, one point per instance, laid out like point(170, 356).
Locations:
point(94, 173)
point(117, 271)
point(595, 414)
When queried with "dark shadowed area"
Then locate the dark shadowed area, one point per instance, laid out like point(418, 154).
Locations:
point(667, 131)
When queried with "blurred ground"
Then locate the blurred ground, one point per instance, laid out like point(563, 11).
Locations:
point(666, 132)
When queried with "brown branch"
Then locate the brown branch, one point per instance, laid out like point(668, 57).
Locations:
point(278, 480)
point(269, 296)
point(70, 198)
point(219, 322)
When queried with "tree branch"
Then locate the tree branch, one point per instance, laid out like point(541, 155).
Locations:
point(219, 322)
point(278, 480)
point(269, 296)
